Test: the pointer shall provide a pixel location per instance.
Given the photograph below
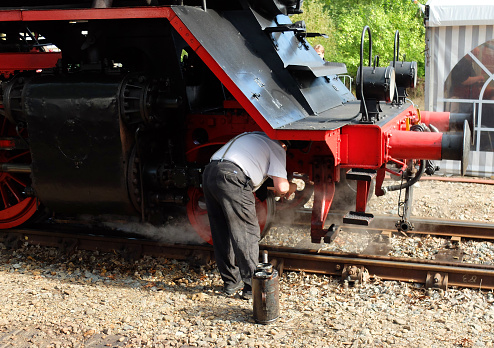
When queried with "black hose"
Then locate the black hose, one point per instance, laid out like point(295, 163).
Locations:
point(417, 128)
point(409, 182)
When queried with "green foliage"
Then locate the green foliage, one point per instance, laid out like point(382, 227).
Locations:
point(344, 20)
point(318, 20)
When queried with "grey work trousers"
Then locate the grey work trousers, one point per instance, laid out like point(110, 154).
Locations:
point(232, 215)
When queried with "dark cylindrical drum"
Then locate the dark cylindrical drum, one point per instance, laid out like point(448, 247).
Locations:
point(265, 294)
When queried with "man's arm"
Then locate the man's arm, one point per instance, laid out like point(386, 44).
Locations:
point(472, 80)
point(283, 186)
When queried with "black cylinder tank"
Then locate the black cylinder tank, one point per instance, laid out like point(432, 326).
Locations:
point(79, 145)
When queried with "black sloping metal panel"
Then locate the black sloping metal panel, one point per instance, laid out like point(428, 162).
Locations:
point(248, 55)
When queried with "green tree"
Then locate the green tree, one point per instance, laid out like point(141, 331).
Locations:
point(344, 20)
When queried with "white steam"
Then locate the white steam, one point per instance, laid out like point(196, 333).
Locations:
point(164, 234)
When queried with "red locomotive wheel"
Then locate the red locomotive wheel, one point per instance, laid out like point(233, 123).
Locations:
point(18, 214)
point(198, 215)
point(15, 207)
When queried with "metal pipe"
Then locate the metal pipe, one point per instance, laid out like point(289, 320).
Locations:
point(439, 119)
point(102, 3)
point(15, 168)
point(416, 145)
point(446, 121)
point(363, 106)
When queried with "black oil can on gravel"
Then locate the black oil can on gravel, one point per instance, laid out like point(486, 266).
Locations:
point(265, 292)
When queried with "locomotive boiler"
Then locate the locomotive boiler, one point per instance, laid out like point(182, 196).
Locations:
point(113, 108)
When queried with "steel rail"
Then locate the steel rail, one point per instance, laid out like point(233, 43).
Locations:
point(388, 268)
point(434, 273)
point(99, 240)
point(439, 227)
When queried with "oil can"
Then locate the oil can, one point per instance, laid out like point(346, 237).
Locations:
point(265, 293)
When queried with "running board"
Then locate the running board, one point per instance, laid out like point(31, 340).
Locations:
point(356, 218)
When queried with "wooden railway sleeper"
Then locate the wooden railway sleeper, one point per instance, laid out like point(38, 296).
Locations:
point(69, 245)
point(436, 280)
point(198, 258)
point(379, 245)
point(132, 252)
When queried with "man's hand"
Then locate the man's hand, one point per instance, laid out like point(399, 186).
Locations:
point(284, 188)
point(292, 189)
point(281, 185)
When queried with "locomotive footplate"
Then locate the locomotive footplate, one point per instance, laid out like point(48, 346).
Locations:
point(357, 218)
point(363, 178)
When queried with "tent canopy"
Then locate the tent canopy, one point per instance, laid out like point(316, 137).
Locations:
point(460, 12)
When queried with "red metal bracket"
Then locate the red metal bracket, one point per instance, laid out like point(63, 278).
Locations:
point(362, 194)
point(324, 188)
point(381, 173)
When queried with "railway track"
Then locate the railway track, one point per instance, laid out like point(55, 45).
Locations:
point(437, 227)
point(446, 270)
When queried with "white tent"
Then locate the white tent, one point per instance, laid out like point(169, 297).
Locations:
point(444, 13)
point(459, 45)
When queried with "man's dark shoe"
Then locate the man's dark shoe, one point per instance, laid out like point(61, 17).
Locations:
point(232, 289)
point(246, 292)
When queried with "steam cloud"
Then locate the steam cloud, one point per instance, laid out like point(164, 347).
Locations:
point(182, 234)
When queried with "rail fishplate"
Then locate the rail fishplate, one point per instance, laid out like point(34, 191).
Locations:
point(436, 280)
point(352, 273)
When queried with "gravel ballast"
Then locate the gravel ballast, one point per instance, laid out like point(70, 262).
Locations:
point(91, 299)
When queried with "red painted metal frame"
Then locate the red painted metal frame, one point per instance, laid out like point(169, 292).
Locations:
point(85, 14)
point(358, 146)
point(18, 61)
point(371, 146)
point(12, 62)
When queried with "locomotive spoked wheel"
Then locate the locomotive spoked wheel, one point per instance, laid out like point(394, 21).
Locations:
point(198, 215)
point(15, 207)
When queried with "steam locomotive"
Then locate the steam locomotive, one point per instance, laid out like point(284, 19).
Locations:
point(113, 108)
